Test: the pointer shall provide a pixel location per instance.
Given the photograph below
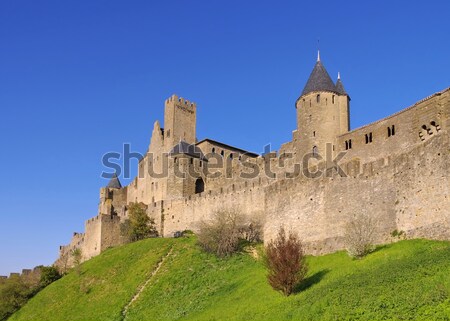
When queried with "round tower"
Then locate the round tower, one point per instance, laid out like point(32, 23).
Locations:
point(322, 112)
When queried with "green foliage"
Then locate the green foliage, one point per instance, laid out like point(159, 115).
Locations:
point(398, 234)
point(49, 274)
point(404, 281)
point(14, 293)
point(139, 225)
point(285, 262)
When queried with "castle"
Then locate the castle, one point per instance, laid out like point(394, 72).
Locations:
point(395, 170)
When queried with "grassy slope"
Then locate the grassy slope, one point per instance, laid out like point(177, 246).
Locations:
point(406, 280)
point(106, 283)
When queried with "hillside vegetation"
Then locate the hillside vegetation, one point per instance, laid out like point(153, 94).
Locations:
point(405, 280)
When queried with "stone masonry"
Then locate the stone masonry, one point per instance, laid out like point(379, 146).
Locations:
point(395, 169)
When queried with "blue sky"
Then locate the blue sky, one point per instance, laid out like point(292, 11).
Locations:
point(80, 78)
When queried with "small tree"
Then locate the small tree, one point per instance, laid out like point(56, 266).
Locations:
point(63, 263)
point(139, 225)
point(77, 256)
point(285, 262)
point(14, 293)
point(359, 235)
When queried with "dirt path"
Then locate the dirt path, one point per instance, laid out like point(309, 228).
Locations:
point(142, 287)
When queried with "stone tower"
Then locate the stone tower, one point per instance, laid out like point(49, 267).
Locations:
point(179, 122)
point(322, 112)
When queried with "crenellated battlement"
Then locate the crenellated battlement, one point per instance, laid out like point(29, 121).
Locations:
point(174, 99)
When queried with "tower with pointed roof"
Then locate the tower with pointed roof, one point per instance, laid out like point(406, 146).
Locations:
point(322, 112)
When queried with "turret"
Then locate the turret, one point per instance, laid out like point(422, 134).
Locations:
point(322, 112)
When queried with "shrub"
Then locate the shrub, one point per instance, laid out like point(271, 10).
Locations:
point(252, 229)
point(359, 235)
point(285, 262)
point(222, 235)
point(138, 226)
point(398, 234)
point(49, 274)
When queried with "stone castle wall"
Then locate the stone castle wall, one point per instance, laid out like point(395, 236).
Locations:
point(400, 179)
point(406, 192)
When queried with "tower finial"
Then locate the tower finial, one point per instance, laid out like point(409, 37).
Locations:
point(318, 50)
point(339, 75)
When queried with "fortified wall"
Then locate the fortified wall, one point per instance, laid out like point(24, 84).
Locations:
point(396, 170)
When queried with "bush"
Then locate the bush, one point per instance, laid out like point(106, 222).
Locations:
point(49, 274)
point(285, 262)
point(252, 230)
point(222, 235)
point(138, 226)
point(359, 236)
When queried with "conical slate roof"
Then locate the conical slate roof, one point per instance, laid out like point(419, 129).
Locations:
point(184, 148)
point(114, 182)
point(340, 87)
point(319, 80)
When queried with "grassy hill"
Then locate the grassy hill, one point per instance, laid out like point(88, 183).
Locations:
point(405, 280)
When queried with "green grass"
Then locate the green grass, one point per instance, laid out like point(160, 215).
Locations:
point(405, 280)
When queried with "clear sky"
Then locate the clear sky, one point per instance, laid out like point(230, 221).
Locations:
point(80, 78)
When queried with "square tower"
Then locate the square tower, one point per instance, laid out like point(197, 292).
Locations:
point(179, 121)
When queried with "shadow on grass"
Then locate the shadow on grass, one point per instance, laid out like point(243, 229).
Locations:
point(310, 281)
point(379, 248)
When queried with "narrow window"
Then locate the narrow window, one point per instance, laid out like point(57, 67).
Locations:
point(314, 134)
point(199, 185)
point(367, 139)
point(315, 151)
point(231, 156)
point(222, 153)
point(349, 144)
point(213, 150)
point(192, 161)
point(318, 98)
point(346, 145)
point(393, 130)
point(370, 137)
point(389, 131)
point(175, 160)
point(332, 99)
